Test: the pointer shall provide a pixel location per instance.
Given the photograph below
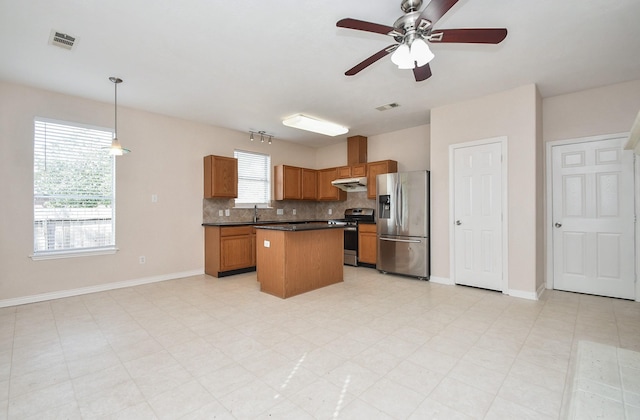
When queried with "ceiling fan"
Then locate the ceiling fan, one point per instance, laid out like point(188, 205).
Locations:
point(412, 30)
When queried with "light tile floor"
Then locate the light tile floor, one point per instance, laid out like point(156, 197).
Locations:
point(374, 347)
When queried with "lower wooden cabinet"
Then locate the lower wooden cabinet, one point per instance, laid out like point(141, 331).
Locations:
point(367, 244)
point(229, 250)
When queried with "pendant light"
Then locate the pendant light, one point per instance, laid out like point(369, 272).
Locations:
point(116, 148)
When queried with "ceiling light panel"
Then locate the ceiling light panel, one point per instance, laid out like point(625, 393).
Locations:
point(304, 122)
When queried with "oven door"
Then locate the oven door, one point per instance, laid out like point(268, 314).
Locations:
point(351, 245)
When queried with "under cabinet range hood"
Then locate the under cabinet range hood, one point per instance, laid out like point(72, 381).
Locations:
point(351, 184)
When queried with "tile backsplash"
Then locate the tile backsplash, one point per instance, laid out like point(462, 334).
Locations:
point(305, 210)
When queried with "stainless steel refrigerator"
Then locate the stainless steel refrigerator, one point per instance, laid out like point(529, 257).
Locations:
point(403, 223)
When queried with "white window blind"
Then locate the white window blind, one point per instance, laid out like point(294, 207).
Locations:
point(254, 177)
point(73, 188)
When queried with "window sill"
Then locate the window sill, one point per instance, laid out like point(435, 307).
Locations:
point(251, 205)
point(54, 255)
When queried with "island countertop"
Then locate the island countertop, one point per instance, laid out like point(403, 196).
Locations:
point(262, 222)
point(300, 227)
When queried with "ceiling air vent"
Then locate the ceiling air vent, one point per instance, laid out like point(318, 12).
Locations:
point(388, 106)
point(62, 40)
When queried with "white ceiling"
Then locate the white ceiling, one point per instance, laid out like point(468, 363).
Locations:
point(247, 65)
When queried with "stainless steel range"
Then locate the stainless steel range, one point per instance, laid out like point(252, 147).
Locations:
point(351, 219)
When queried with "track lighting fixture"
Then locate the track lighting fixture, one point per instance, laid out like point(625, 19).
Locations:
point(263, 136)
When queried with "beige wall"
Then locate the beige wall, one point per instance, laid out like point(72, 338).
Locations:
point(604, 110)
point(410, 147)
point(512, 114)
point(166, 160)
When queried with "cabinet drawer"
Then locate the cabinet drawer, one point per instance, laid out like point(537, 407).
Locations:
point(235, 230)
point(367, 228)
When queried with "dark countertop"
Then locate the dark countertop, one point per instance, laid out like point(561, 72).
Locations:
point(301, 226)
point(263, 222)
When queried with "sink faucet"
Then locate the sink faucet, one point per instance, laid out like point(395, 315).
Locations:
point(255, 213)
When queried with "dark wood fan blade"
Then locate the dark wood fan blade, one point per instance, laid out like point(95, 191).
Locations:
point(361, 25)
point(472, 36)
point(369, 61)
point(435, 10)
point(422, 73)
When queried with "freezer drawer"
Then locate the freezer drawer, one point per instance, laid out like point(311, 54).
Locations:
point(404, 255)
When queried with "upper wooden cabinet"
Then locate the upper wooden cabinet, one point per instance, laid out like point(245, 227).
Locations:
point(288, 182)
point(356, 150)
point(309, 184)
point(220, 177)
point(352, 171)
point(326, 191)
point(294, 183)
point(344, 172)
point(376, 168)
point(359, 170)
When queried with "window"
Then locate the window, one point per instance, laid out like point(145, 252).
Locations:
point(254, 178)
point(73, 189)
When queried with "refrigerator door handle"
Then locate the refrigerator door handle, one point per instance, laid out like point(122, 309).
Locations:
point(397, 203)
point(411, 241)
point(403, 202)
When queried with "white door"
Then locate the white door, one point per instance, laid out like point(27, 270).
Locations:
point(593, 218)
point(477, 212)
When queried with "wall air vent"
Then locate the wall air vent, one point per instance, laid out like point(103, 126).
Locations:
point(388, 106)
point(62, 40)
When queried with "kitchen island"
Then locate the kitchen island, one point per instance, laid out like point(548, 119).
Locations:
point(294, 259)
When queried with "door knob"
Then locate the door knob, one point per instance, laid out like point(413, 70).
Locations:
point(458, 222)
point(558, 225)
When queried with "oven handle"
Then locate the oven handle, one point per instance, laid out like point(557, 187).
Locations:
point(351, 229)
point(411, 241)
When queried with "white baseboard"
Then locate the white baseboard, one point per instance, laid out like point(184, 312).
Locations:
point(97, 288)
point(441, 280)
point(526, 295)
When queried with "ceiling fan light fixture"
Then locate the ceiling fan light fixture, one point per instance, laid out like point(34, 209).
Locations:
point(304, 122)
point(420, 52)
point(402, 57)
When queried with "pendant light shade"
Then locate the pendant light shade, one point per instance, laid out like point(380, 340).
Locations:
point(116, 148)
point(402, 57)
point(408, 57)
point(421, 52)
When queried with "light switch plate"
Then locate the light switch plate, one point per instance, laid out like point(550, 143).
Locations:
point(220, 213)
point(294, 212)
point(330, 211)
point(280, 212)
point(227, 212)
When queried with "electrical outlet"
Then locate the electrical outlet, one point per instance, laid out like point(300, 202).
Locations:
point(294, 212)
point(227, 212)
point(154, 198)
point(330, 211)
point(220, 213)
point(142, 259)
point(280, 212)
